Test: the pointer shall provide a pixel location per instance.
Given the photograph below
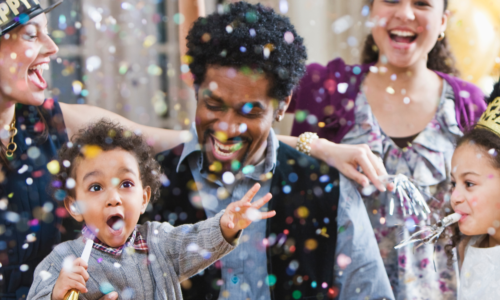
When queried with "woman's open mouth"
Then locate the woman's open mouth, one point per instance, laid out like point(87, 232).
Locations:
point(35, 75)
point(402, 37)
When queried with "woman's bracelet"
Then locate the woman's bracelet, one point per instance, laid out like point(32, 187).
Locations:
point(304, 142)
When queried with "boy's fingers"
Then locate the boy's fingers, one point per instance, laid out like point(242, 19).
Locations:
point(77, 285)
point(267, 215)
point(251, 193)
point(80, 262)
point(77, 278)
point(259, 203)
point(82, 272)
point(110, 296)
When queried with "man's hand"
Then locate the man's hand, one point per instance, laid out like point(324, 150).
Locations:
point(239, 215)
point(347, 158)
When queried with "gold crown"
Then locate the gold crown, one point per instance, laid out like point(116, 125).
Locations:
point(491, 117)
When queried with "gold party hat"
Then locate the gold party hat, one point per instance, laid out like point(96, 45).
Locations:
point(491, 117)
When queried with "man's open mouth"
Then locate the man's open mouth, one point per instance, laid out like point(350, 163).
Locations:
point(115, 222)
point(402, 36)
point(225, 151)
point(35, 75)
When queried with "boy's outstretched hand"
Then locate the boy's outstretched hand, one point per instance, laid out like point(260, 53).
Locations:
point(239, 215)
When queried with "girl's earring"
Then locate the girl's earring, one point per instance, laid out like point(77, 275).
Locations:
point(441, 36)
point(279, 118)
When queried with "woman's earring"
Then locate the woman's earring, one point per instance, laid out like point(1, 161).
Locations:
point(441, 36)
point(279, 118)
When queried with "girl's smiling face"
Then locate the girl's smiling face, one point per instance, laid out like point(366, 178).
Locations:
point(475, 191)
point(24, 54)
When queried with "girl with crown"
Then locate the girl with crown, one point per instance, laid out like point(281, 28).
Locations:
point(475, 179)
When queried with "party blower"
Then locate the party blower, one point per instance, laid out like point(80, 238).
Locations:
point(73, 294)
point(431, 233)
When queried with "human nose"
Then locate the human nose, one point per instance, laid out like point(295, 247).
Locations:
point(113, 199)
point(456, 198)
point(404, 11)
point(228, 124)
point(49, 47)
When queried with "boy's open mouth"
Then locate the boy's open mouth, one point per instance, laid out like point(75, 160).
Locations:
point(115, 222)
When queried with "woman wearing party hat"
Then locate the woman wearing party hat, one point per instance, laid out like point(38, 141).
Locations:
point(32, 130)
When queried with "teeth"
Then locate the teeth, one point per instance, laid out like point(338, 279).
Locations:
point(40, 67)
point(232, 148)
point(402, 33)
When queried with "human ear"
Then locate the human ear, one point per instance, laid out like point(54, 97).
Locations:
point(444, 20)
point(282, 107)
point(73, 209)
point(146, 197)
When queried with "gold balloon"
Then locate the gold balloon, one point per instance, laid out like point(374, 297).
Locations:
point(474, 36)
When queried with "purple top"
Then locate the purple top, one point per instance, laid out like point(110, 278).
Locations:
point(320, 94)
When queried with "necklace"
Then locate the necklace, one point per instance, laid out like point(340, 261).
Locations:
point(11, 147)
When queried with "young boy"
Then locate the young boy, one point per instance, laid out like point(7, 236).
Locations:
point(109, 176)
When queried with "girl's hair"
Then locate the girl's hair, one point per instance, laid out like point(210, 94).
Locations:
point(485, 140)
point(439, 59)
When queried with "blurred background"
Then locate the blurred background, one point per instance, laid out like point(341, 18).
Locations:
point(126, 56)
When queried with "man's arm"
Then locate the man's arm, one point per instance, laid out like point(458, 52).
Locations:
point(359, 269)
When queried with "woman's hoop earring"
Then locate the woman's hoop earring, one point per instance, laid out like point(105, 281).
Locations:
point(441, 36)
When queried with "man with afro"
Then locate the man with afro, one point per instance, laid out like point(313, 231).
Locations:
point(246, 60)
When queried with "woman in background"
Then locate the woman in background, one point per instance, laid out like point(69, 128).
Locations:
point(405, 104)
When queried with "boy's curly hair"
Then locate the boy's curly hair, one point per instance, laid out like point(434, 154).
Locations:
point(237, 38)
point(109, 136)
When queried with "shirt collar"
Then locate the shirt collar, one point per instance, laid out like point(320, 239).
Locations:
point(269, 161)
point(135, 241)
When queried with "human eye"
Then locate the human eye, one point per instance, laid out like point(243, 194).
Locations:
point(469, 184)
point(127, 184)
point(391, 1)
point(422, 3)
point(95, 188)
point(30, 33)
point(250, 110)
point(214, 105)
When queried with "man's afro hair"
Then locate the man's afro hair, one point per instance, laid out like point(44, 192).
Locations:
point(237, 38)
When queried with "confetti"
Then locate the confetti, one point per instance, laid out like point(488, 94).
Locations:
point(53, 167)
point(289, 37)
point(93, 63)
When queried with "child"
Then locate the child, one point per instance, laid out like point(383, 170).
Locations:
point(109, 175)
point(475, 182)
